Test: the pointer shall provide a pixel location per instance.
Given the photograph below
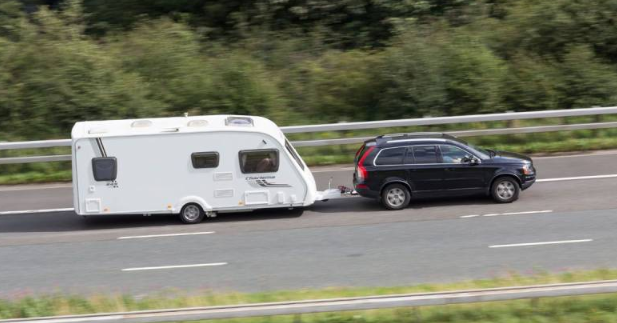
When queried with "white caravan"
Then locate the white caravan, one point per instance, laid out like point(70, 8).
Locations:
point(191, 166)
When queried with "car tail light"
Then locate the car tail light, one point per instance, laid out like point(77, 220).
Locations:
point(359, 150)
point(362, 175)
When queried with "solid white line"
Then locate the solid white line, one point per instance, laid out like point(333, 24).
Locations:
point(165, 235)
point(492, 214)
point(175, 267)
point(33, 188)
point(37, 211)
point(592, 154)
point(330, 170)
point(538, 243)
point(575, 178)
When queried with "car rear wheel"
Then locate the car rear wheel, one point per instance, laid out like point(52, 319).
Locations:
point(395, 197)
point(192, 214)
point(505, 190)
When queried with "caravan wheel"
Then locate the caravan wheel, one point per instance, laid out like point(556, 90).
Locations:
point(191, 214)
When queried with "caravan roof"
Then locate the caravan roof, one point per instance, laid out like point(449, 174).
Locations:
point(139, 127)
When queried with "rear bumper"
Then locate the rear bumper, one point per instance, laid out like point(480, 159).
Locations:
point(364, 190)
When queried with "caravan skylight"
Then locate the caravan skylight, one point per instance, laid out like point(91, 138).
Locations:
point(141, 124)
point(197, 123)
point(239, 121)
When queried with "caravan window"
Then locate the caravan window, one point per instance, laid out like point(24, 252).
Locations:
point(104, 168)
point(259, 161)
point(293, 153)
point(205, 159)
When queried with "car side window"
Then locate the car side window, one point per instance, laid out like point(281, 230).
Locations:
point(391, 156)
point(452, 154)
point(425, 155)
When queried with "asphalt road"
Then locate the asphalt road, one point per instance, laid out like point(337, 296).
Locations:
point(348, 242)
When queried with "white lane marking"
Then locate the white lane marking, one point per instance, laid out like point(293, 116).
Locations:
point(33, 188)
point(330, 170)
point(575, 178)
point(527, 212)
point(37, 211)
point(538, 243)
point(592, 154)
point(506, 213)
point(176, 267)
point(165, 235)
point(538, 181)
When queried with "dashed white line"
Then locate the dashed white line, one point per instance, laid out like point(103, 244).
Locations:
point(538, 243)
point(527, 212)
point(176, 267)
point(575, 178)
point(36, 211)
point(166, 235)
point(506, 213)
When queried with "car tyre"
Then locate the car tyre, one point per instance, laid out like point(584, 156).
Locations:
point(192, 214)
point(505, 190)
point(395, 197)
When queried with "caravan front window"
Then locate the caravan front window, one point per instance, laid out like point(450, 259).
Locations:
point(259, 161)
point(104, 168)
point(293, 153)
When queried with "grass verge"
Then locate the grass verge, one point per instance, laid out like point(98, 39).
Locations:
point(21, 305)
point(538, 143)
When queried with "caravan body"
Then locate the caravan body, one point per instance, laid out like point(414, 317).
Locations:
point(218, 163)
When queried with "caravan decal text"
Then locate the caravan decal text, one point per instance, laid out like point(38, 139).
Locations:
point(262, 181)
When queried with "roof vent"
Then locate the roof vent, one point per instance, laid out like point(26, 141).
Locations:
point(197, 123)
point(239, 121)
point(141, 124)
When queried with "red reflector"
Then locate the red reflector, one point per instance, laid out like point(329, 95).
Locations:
point(361, 186)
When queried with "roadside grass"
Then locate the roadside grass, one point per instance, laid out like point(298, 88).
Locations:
point(536, 143)
point(22, 305)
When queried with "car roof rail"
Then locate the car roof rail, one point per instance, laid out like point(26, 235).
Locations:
point(428, 135)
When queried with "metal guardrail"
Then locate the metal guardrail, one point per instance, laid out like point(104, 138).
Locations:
point(375, 125)
point(338, 305)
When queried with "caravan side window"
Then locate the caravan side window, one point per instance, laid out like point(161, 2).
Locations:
point(205, 159)
point(259, 161)
point(104, 168)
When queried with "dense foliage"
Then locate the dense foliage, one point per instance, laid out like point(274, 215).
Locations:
point(298, 61)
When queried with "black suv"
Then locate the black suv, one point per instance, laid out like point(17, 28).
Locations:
point(395, 168)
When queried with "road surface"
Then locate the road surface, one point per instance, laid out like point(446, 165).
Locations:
point(564, 222)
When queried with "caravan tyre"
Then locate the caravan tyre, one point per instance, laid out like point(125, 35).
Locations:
point(192, 214)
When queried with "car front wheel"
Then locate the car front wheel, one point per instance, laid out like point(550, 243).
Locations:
point(395, 197)
point(505, 190)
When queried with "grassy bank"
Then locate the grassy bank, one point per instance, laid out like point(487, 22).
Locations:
point(21, 305)
point(535, 144)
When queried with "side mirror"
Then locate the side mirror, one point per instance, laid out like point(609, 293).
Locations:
point(471, 160)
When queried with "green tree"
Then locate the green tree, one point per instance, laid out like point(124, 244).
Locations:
point(585, 81)
point(56, 77)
